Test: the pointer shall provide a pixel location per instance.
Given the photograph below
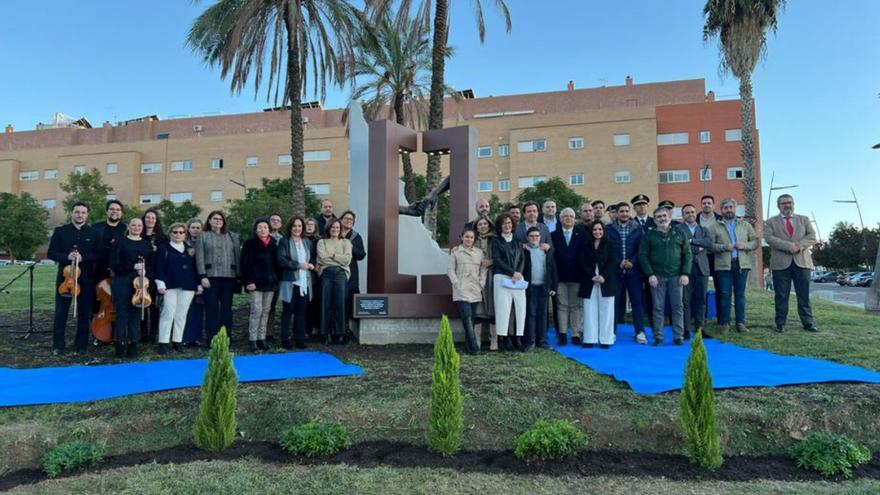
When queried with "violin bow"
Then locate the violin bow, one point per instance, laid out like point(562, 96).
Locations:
point(141, 259)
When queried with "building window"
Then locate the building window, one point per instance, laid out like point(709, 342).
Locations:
point(151, 168)
point(284, 160)
point(484, 152)
point(576, 143)
point(675, 176)
point(50, 174)
point(28, 176)
point(216, 163)
point(79, 169)
point(504, 185)
point(740, 210)
point(672, 138)
point(621, 139)
point(676, 212)
point(734, 173)
point(150, 199)
point(576, 179)
point(49, 204)
point(524, 182)
point(531, 146)
point(733, 134)
point(182, 165)
point(216, 196)
point(316, 156)
point(251, 161)
point(112, 168)
point(622, 177)
point(705, 174)
point(180, 197)
point(503, 150)
point(705, 137)
point(484, 186)
point(319, 189)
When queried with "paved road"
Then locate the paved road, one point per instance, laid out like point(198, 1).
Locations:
point(851, 296)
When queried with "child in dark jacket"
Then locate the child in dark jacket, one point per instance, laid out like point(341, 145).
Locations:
point(260, 280)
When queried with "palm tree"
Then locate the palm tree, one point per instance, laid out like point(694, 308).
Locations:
point(438, 66)
point(741, 26)
point(299, 35)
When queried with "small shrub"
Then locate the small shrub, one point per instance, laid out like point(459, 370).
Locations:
point(445, 419)
point(830, 454)
point(71, 456)
point(215, 424)
point(550, 440)
point(316, 438)
point(696, 418)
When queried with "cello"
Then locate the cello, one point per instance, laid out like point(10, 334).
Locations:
point(102, 323)
point(141, 295)
point(69, 287)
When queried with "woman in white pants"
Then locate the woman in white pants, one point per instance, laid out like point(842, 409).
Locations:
point(508, 260)
point(177, 281)
point(599, 264)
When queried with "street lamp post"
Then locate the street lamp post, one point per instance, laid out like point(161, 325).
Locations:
point(856, 202)
point(872, 298)
point(770, 192)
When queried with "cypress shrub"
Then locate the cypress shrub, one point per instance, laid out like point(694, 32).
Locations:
point(215, 425)
point(702, 444)
point(445, 419)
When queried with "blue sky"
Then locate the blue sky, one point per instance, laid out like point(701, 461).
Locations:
point(817, 92)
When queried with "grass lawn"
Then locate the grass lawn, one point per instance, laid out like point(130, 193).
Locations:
point(504, 394)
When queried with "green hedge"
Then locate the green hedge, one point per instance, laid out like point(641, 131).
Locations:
point(316, 438)
point(830, 454)
point(72, 456)
point(550, 440)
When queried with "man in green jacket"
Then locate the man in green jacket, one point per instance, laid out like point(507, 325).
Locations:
point(665, 258)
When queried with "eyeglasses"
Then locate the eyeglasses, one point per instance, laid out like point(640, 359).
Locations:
point(180, 232)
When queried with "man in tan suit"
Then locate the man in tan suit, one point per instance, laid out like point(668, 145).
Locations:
point(790, 238)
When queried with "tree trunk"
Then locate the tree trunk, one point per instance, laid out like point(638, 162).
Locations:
point(409, 183)
point(294, 88)
point(435, 109)
point(748, 150)
point(872, 298)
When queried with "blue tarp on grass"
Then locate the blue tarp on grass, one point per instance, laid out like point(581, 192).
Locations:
point(20, 387)
point(653, 370)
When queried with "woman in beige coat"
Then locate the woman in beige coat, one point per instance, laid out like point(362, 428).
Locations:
point(467, 274)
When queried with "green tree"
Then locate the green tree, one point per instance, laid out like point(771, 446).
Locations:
point(497, 207)
point(24, 227)
point(300, 35)
point(844, 249)
point(741, 27)
point(273, 196)
point(393, 66)
point(556, 189)
point(88, 188)
point(216, 424)
point(172, 213)
point(696, 418)
point(443, 233)
point(445, 419)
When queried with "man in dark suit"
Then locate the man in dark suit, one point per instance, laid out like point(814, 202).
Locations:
point(568, 240)
point(325, 216)
point(74, 242)
point(707, 219)
point(694, 295)
point(643, 216)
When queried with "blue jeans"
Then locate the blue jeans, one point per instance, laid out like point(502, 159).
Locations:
point(631, 283)
point(334, 286)
point(467, 310)
point(536, 315)
point(733, 282)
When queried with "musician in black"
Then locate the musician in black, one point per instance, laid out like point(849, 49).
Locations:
point(129, 260)
point(78, 242)
point(109, 232)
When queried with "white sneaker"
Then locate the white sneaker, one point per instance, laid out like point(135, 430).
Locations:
point(641, 339)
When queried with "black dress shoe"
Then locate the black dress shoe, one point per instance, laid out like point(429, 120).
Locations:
point(563, 339)
point(576, 340)
point(780, 329)
point(163, 349)
point(178, 347)
point(120, 349)
point(505, 344)
point(604, 346)
point(587, 345)
point(131, 350)
point(287, 344)
point(678, 341)
point(254, 346)
point(811, 328)
point(300, 345)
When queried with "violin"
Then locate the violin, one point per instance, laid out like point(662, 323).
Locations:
point(141, 295)
point(70, 287)
point(102, 323)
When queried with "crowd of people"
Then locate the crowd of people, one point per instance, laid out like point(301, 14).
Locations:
point(509, 268)
point(176, 287)
point(513, 275)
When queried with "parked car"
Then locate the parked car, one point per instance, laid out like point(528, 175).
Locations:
point(25, 262)
point(867, 281)
point(842, 278)
point(854, 281)
point(817, 274)
point(46, 262)
point(4, 262)
point(828, 277)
